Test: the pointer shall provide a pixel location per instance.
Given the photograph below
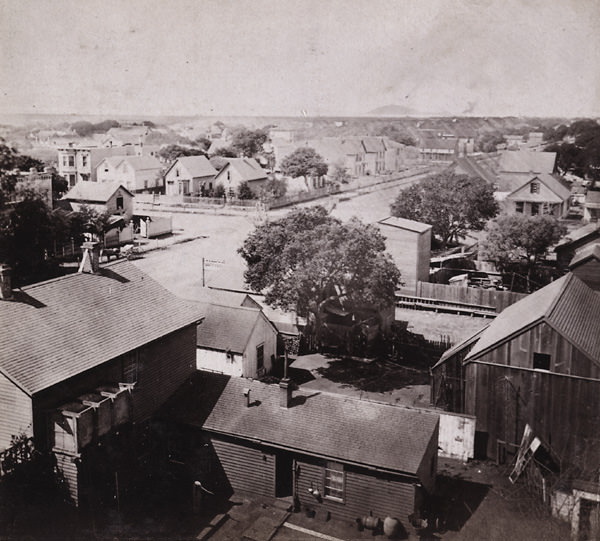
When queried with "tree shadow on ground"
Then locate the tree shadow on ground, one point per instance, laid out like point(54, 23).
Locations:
point(374, 376)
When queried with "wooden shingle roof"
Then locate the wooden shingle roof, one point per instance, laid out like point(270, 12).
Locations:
point(60, 328)
point(99, 192)
point(227, 327)
point(332, 426)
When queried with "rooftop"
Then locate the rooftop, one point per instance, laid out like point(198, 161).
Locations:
point(403, 223)
point(66, 326)
point(326, 425)
point(100, 192)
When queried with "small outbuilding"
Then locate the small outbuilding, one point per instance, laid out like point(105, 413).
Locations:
point(331, 454)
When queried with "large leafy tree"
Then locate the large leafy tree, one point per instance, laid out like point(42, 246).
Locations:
point(248, 142)
point(517, 240)
point(452, 204)
point(308, 258)
point(304, 162)
point(171, 152)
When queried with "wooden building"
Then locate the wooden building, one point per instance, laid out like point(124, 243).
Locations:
point(237, 341)
point(109, 197)
point(327, 453)
point(85, 361)
point(537, 363)
point(576, 240)
point(409, 243)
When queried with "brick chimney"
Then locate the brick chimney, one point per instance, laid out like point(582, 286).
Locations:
point(90, 262)
point(5, 282)
point(285, 393)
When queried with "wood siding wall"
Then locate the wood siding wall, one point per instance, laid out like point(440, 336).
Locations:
point(15, 412)
point(563, 411)
point(381, 494)
point(246, 468)
point(68, 476)
point(469, 295)
point(164, 366)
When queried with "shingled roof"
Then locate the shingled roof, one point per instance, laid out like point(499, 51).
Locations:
point(227, 327)
point(99, 192)
point(525, 161)
point(57, 329)
point(196, 166)
point(568, 305)
point(326, 425)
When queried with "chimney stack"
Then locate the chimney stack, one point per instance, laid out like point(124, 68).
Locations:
point(91, 257)
point(5, 283)
point(285, 393)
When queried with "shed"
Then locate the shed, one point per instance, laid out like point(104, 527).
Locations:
point(409, 243)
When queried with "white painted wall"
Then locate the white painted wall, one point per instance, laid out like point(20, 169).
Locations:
point(217, 361)
point(457, 436)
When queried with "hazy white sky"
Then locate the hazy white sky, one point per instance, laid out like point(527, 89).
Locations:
point(279, 57)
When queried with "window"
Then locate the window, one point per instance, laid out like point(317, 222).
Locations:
point(64, 161)
point(120, 202)
point(333, 484)
point(541, 361)
point(534, 187)
point(260, 356)
point(535, 209)
point(71, 161)
point(519, 206)
point(71, 180)
point(84, 161)
point(176, 172)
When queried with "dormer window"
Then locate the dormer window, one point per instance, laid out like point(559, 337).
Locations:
point(534, 187)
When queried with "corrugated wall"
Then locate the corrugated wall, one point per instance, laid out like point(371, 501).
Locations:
point(247, 469)
point(15, 412)
point(364, 493)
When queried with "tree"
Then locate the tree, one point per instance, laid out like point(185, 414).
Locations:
point(225, 152)
point(520, 239)
point(273, 189)
point(304, 162)
point(452, 204)
point(340, 174)
point(396, 133)
point(244, 191)
point(171, 152)
point(202, 142)
point(488, 141)
point(308, 258)
point(248, 142)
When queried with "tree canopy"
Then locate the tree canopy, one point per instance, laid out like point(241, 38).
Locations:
point(577, 147)
point(171, 152)
point(520, 241)
point(452, 204)
point(304, 162)
point(308, 257)
point(248, 142)
point(398, 134)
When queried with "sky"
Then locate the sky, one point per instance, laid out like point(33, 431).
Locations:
point(294, 57)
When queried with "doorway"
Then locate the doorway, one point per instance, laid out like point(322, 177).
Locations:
point(284, 474)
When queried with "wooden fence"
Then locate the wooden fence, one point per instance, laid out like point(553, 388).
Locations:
point(475, 296)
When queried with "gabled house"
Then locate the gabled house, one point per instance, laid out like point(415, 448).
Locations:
point(238, 170)
point(87, 361)
point(374, 155)
point(540, 194)
point(237, 341)
point(331, 454)
point(126, 136)
point(189, 175)
point(537, 363)
point(109, 197)
point(136, 173)
point(438, 149)
point(586, 265)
